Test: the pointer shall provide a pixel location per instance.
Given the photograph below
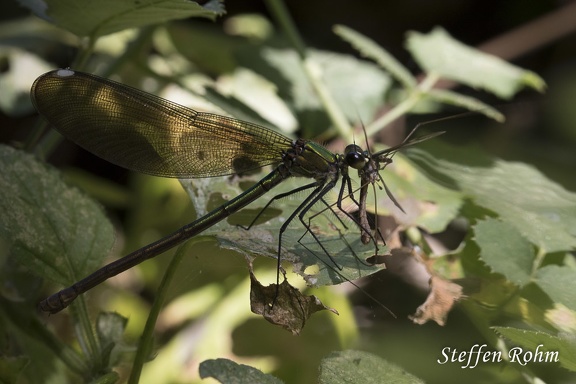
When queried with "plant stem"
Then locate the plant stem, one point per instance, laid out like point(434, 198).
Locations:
point(19, 317)
point(145, 344)
point(401, 109)
point(86, 334)
point(314, 74)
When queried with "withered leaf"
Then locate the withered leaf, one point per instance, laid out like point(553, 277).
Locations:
point(443, 294)
point(283, 304)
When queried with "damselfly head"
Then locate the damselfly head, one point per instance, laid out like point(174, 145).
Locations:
point(354, 156)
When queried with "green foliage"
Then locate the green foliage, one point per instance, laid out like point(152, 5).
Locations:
point(564, 345)
point(513, 272)
point(361, 367)
point(227, 371)
point(95, 19)
point(541, 210)
point(338, 368)
point(437, 52)
point(505, 251)
point(53, 229)
point(304, 254)
point(373, 51)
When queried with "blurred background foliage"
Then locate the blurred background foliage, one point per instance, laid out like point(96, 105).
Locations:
point(207, 313)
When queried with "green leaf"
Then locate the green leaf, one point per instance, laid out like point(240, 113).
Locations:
point(470, 103)
point(110, 329)
point(505, 250)
point(260, 95)
point(201, 52)
point(427, 204)
point(228, 372)
point(552, 348)
point(559, 282)
point(368, 48)
point(542, 211)
point(357, 86)
point(51, 228)
point(562, 318)
point(361, 367)
point(437, 52)
point(347, 253)
point(98, 18)
point(22, 67)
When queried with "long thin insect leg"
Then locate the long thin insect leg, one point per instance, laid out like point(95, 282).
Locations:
point(305, 210)
point(313, 194)
point(278, 197)
point(309, 230)
point(344, 278)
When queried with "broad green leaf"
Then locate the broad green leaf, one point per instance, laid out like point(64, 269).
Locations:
point(437, 52)
point(201, 52)
point(559, 282)
point(542, 211)
point(98, 18)
point(260, 96)
point(347, 254)
point(361, 367)
point(562, 318)
point(226, 371)
point(368, 48)
point(254, 26)
point(51, 228)
point(504, 250)
point(540, 347)
point(357, 86)
point(22, 67)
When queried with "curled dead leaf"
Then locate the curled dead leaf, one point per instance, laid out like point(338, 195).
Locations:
point(283, 304)
point(443, 294)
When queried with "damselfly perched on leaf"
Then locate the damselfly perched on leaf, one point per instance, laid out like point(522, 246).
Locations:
point(148, 134)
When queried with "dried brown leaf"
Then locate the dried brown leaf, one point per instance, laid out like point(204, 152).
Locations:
point(283, 304)
point(443, 294)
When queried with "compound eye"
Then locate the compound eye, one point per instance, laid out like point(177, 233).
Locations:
point(354, 156)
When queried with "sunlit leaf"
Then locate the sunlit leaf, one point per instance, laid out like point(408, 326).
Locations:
point(562, 318)
point(368, 48)
point(542, 211)
point(552, 348)
point(437, 52)
point(504, 250)
point(22, 67)
point(559, 283)
point(260, 95)
point(357, 86)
